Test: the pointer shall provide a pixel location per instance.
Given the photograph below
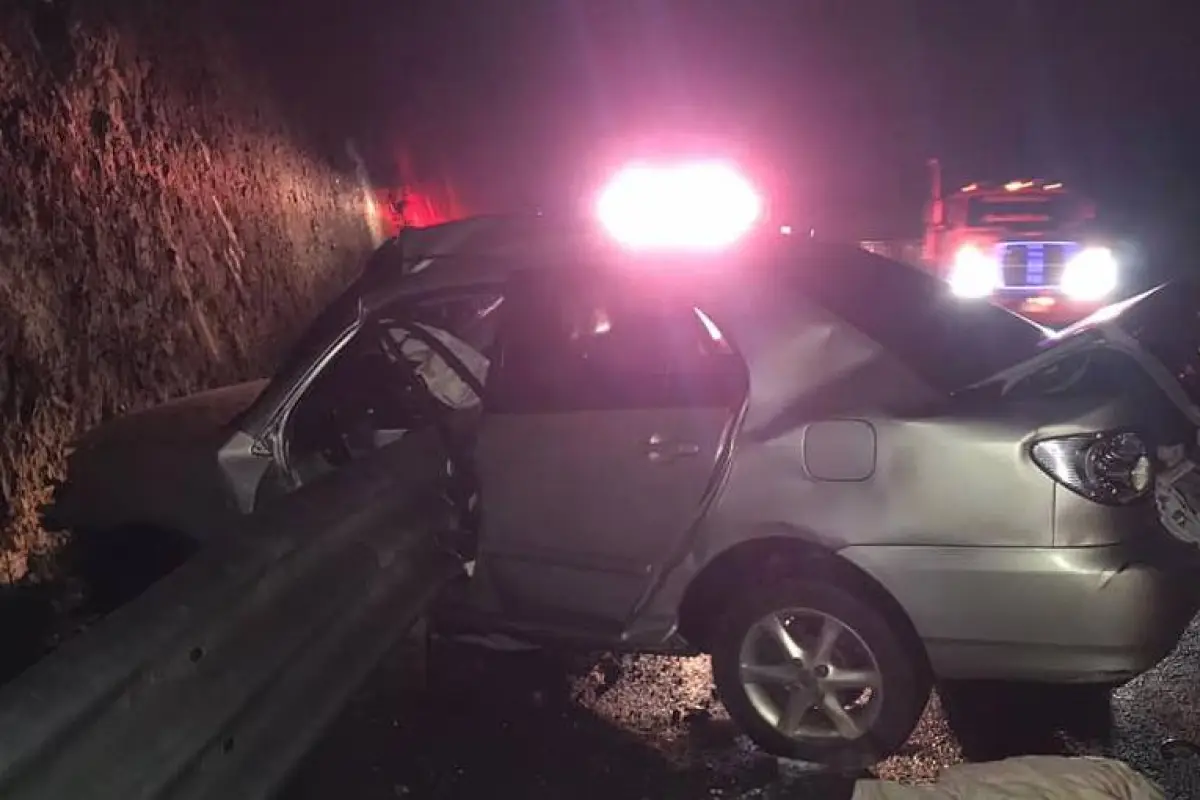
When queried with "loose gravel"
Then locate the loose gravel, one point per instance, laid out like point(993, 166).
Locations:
point(537, 725)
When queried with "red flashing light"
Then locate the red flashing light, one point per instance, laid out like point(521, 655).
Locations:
point(705, 205)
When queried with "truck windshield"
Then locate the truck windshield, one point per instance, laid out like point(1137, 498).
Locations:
point(950, 342)
point(1019, 211)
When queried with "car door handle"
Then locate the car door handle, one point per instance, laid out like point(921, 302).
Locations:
point(659, 449)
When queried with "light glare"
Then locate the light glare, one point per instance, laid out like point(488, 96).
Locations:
point(701, 206)
point(1091, 275)
point(974, 274)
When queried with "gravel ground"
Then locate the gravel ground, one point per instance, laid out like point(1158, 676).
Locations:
point(532, 725)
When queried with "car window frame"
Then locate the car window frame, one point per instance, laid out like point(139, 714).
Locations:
point(734, 380)
point(397, 309)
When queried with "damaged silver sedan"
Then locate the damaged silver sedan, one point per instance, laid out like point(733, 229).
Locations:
point(810, 462)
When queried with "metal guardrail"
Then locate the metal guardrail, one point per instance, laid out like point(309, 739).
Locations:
point(217, 680)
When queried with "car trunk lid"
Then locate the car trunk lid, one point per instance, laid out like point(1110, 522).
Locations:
point(1165, 324)
point(1160, 329)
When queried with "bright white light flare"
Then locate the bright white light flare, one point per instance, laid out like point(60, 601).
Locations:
point(974, 274)
point(693, 206)
point(1091, 275)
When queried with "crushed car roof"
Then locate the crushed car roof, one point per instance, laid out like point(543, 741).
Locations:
point(491, 248)
point(773, 293)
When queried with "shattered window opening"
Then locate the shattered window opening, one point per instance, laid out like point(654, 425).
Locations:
point(574, 350)
point(357, 404)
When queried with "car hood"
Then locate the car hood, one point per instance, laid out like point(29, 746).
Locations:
point(154, 468)
point(184, 420)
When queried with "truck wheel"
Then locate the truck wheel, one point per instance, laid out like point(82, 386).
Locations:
point(813, 672)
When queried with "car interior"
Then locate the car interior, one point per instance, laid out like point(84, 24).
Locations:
point(397, 375)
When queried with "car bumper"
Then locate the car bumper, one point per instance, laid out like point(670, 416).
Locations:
point(1069, 615)
point(1048, 309)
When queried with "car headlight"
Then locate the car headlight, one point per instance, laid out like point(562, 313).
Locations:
point(974, 273)
point(1091, 275)
point(1109, 468)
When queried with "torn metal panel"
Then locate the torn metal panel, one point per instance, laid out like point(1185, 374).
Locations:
point(1177, 493)
point(806, 363)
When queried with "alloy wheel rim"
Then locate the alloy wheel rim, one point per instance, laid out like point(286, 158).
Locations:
point(810, 676)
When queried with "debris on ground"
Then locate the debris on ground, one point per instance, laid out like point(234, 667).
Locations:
point(1024, 778)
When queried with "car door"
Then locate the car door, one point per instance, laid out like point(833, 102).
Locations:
point(348, 407)
point(604, 423)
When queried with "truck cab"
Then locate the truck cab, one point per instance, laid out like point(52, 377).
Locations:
point(1025, 244)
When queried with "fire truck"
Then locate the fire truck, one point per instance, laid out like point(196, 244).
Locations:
point(1027, 244)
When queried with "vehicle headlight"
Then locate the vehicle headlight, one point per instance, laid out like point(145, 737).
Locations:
point(1109, 468)
point(974, 273)
point(1091, 275)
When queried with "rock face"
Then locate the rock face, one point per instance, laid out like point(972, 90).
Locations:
point(162, 227)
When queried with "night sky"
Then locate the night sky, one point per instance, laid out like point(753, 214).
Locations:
point(833, 104)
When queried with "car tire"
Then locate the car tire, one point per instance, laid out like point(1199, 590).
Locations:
point(807, 610)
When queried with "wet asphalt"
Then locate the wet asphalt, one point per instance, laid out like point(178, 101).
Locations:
point(538, 725)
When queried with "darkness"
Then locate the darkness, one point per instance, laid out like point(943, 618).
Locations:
point(834, 105)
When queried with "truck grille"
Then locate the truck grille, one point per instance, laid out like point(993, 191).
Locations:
point(1034, 263)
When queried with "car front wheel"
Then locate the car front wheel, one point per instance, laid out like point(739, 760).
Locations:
point(813, 672)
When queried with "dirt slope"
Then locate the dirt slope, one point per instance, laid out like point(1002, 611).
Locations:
point(161, 227)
